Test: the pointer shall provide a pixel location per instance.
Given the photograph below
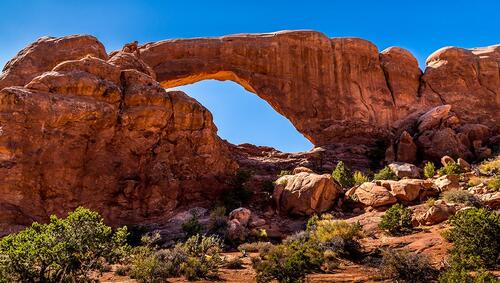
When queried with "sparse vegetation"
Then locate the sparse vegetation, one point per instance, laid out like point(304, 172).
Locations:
point(313, 250)
point(234, 263)
point(405, 266)
point(64, 250)
point(464, 276)
point(385, 174)
point(494, 183)
point(430, 202)
point(490, 167)
point(397, 220)
point(192, 226)
point(463, 197)
point(429, 170)
point(218, 222)
point(284, 173)
point(475, 234)
point(238, 194)
point(451, 168)
point(343, 175)
point(360, 178)
point(260, 247)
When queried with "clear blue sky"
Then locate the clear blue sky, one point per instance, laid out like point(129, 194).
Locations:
point(420, 26)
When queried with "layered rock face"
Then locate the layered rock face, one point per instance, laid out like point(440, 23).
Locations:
point(81, 127)
point(339, 90)
point(101, 133)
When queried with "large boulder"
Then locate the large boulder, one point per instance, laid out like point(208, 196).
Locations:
point(437, 213)
point(407, 149)
point(305, 193)
point(407, 190)
point(405, 170)
point(491, 200)
point(447, 183)
point(371, 194)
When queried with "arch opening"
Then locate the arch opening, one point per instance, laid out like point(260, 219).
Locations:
point(240, 115)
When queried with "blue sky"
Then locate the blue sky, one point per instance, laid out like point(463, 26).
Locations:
point(420, 26)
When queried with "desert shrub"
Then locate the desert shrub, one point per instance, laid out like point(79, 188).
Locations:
point(260, 247)
point(494, 183)
point(343, 175)
point(407, 266)
point(287, 262)
point(451, 168)
point(385, 174)
point(475, 234)
point(235, 263)
point(490, 167)
point(464, 276)
point(135, 234)
point(359, 178)
point(463, 197)
point(429, 170)
point(218, 221)
point(197, 258)
point(474, 181)
point(122, 270)
point(238, 194)
point(397, 220)
point(430, 202)
point(337, 237)
point(65, 249)
point(284, 173)
point(312, 222)
point(192, 226)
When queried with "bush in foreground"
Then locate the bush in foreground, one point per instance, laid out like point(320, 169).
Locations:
point(451, 168)
point(360, 178)
point(463, 197)
point(429, 170)
point(64, 250)
point(343, 175)
point(407, 266)
point(385, 174)
point(397, 220)
point(463, 276)
point(475, 234)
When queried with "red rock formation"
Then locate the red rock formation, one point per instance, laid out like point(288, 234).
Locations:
point(88, 133)
point(341, 89)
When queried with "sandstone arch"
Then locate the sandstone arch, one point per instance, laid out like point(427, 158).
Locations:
point(333, 90)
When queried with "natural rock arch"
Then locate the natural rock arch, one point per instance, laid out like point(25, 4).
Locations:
point(334, 90)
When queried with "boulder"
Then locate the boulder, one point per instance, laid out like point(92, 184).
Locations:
point(371, 194)
point(236, 231)
point(301, 169)
point(407, 149)
point(405, 170)
point(447, 183)
point(437, 213)
point(444, 141)
point(464, 164)
point(407, 190)
point(446, 159)
point(241, 214)
point(491, 200)
point(305, 193)
point(433, 118)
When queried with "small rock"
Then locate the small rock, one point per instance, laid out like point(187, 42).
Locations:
point(491, 200)
point(464, 164)
point(302, 169)
point(241, 214)
point(447, 183)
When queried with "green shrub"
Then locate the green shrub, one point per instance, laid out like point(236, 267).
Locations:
point(429, 170)
point(64, 250)
point(397, 220)
point(235, 263)
point(192, 226)
point(343, 175)
point(260, 247)
point(360, 178)
point(218, 222)
point(122, 270)
point(494, 183)
point(463, 197)
point(490, 167)
point(475, 234)
point(238, 194)
point(284, 173)
point(463, 276)
point(451, 168)
point(385, 174)
point(135, 234)
point(430, 202)
point(204, 257)
point(407, 266)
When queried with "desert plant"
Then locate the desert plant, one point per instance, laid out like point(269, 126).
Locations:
point(122, 270)
point(284, 173)
point(463, 197)
point(260, 247)
point(238, 194)
point(464, 276)
point(385, 174)
point(397, 220)
point(192, 226)
point(451, 168)
point(475, 234)
point(490, 167)
point(407, 266)
point(218, 221)
point(343, 175)
point(360, 178)
point(430, 202)
point(64, 250)
point(429, 170)
point(494, 183)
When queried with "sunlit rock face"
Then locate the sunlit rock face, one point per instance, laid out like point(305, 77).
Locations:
point(83, 127)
